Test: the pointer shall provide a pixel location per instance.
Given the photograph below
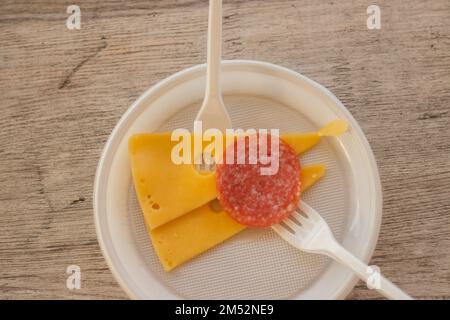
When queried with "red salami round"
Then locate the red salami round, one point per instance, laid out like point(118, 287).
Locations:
point(251, 197)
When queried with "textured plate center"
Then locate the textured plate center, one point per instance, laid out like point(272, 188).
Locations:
point(255, 264)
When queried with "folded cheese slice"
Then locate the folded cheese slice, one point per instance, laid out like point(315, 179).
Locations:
point(166, 190)
point(203, 228)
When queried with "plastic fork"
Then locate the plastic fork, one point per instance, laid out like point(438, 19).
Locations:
point(306, 230)
point(213, 112)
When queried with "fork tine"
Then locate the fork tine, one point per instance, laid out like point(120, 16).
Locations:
point(291, 224)
point(309, 212)
point(286, 234)
point(296, 226)
point(306, 222)
point(298, 216)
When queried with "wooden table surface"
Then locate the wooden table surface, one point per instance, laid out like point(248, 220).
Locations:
point(62, 92)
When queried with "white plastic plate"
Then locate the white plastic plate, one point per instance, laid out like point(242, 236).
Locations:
point(255, 264)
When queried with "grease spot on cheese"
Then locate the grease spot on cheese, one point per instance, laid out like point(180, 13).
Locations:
point(155, 206)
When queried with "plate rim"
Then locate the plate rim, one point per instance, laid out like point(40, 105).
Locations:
point(349, 282)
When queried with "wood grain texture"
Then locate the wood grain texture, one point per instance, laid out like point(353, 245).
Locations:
point(63, 91)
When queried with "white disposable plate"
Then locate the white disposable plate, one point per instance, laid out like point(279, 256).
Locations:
point(255, 264)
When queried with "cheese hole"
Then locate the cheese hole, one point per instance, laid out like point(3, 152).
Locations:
point(149, 196)
point(215, 205)
point(142, 180)
point(155, 206)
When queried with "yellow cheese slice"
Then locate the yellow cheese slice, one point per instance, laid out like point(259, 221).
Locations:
point(166, 190)
point(310, 175)
point(201, 229)
point(301, 142)
point(333, 129)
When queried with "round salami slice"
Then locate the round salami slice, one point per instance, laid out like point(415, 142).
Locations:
point(251, 197)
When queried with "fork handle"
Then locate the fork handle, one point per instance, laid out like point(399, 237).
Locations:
point(214, 49)
point(386, 287)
